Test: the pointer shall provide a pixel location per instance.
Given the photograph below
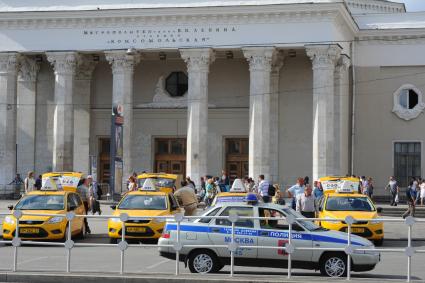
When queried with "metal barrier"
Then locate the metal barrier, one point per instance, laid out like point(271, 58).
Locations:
point(289, 248)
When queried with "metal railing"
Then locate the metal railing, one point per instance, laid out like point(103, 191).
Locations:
point(289, 247)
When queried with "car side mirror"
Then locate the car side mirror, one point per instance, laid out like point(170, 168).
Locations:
point(379, 209)
point(10, 207)
point(113, 207)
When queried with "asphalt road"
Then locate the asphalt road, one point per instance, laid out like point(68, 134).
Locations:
point(146, 259)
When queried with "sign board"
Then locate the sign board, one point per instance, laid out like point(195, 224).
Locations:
point(149, 185)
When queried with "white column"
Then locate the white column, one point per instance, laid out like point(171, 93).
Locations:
point(342, 113)
point(324, 59)
point(82, 93)
point(27, 83)
point(8, 81)
point(123, 66)
point(277, 64)
point(260, 65)
point(64, 65)
point(198, 62)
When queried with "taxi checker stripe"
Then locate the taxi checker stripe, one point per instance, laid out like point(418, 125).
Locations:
point(256, 233)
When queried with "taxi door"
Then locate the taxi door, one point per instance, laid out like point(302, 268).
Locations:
point(245, 235)
point(275, 233)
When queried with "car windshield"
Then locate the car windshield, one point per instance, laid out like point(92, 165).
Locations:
point(349, 204)
point(309, 225)
point(158, 182)
point(143, 202)
point(41, 202)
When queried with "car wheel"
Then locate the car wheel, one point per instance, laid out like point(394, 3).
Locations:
point(82, 233)
point(333, 265)
point(65, 235)
point(113, 241)
point(379, 242)
point(204, 261)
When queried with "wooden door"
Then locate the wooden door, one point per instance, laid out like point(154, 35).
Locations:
point(236, 157)
point(104, 160)
point(170, 155)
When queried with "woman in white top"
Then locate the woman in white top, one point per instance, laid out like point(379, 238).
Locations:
point(422, 192)
point(132, 184)
point(29, 182)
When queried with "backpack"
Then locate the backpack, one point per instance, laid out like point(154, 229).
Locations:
point(271, 191)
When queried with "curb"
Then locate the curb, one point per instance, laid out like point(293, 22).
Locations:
point(35, 277)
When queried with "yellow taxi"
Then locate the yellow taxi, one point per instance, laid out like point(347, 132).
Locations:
point(344, 200)
point(46, 201)
point(145, 202)
point(164, 182)
point(68, 180)
point(237, 193)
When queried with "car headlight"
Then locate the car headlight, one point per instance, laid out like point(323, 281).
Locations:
point(9, 220)
point(375, 221)
point(116, 220)
point(56, 219)
point(159, 220)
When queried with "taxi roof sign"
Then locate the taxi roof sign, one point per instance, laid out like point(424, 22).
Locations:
point(149, 185)
point(347, 187)
point(238, 186)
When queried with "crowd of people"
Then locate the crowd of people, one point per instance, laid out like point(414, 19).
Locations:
point(415, 194)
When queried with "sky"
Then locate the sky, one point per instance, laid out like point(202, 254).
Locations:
point(413, 5)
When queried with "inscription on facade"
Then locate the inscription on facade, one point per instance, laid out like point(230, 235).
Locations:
point(154, 37)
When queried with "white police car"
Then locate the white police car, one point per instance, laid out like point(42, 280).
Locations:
point(272, 232)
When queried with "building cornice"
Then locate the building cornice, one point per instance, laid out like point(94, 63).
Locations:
point(168, 16)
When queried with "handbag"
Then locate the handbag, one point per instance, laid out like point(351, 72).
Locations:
point(396, 199)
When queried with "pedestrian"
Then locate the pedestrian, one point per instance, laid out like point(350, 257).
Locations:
point(190, 183)
point(38, 183)
point(411, 201)
point(317, 190)
point(278, 197)
point(210, 192)
point(263, 189)
point(370, 187)
point(225, 181)
point(364, 185)
point(296, 190)
point(83, 191)
point(306, 180)
point(187, 199)
point(29, 182)
point(305, 203)
point(132, 185)
point(94, 195)
point(17, 181)
point(394, 190)
point(422, 192)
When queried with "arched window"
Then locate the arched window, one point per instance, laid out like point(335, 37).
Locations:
point(408, 102)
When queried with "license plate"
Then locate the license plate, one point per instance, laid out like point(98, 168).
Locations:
point(357, 230)
point(136, 229)
point(29, 230)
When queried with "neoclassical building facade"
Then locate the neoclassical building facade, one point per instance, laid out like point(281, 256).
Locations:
point(285, 88)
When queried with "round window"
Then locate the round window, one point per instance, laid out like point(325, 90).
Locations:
point(176, 84)
point(408, 98)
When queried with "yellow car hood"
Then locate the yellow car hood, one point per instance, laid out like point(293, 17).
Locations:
point(36, 217)
point(354, 214)
point(139, 213)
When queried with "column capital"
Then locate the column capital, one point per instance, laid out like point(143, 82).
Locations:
point(344, 62)
point(85, 67)
point(259, 58)
point(324, 56)
point(121, 61)
point(198, 60)
point(64, 63)
point(28, 70)
point(9, 63)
